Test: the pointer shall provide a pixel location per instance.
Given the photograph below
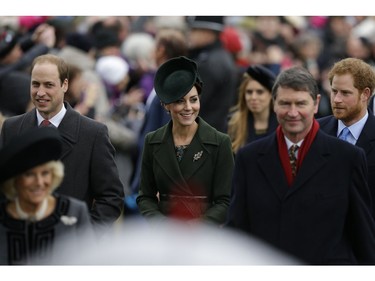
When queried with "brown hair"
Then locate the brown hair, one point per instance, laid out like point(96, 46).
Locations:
point(363, 74)
point(62, 67)
point(173, 41)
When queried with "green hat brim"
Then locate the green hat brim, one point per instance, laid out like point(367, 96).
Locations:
point(175, 78)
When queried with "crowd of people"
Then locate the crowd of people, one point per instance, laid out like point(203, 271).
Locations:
point(261, 125)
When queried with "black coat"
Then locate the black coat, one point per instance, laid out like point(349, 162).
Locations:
point(323, 218)
point(272, 125)
point(219, 75)
point(366, 141)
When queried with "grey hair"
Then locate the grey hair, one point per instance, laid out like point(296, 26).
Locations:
point(298, 79)
point(139, 47)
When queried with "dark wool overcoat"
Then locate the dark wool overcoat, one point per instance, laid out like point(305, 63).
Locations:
point(323, 218)
point(366, 141)
point(200, 183)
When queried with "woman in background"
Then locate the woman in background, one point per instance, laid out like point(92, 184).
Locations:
point(253, 117)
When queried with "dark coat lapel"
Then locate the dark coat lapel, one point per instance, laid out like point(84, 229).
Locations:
point(169, 163)
point(70, 124)
point(270, 165)
point(367, 137)
point(329, 125)
point(29, 121)
point(196, 150)
point(69, 129)
point(163, 156)
point(315, 159)
point(180, 173)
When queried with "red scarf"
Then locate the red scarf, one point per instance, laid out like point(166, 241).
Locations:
point(283, 150)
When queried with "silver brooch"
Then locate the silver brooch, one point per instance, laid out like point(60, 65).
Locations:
point(197, 156)
point(68, 220)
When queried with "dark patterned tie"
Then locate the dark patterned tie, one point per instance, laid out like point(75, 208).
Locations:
point(293, 158)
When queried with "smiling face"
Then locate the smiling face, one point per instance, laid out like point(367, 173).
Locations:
point(185, 110)
point(47, 92)
point(33, 186)
point(295, 112)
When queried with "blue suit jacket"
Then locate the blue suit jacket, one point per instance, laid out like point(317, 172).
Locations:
point(323, 218)
point(366, 141)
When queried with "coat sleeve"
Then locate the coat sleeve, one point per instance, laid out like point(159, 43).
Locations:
point(108, 192)
point(84, 225)
point(238, 214)
point(147, 199)
point(222, 183)
point(360, 223)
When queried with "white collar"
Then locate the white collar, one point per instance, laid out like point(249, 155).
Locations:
point(35, 217)
point(290, 143)
point(55, 120)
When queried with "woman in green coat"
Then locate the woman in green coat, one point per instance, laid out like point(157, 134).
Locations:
point(187, 165)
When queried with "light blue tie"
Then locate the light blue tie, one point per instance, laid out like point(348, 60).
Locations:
point(344, 134)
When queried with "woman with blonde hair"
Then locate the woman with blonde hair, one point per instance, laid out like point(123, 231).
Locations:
point(33, 217)
point(252, 117)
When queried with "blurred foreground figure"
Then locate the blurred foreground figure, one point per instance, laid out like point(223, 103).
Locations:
point(171, 243)
point(33, 217)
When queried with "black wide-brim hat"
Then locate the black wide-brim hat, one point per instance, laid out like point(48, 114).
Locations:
point(28, 150)
point(263, 75)
point(175, 78)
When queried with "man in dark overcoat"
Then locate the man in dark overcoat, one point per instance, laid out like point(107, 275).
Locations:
point(352, 84)
point(316, 208)
point(216, 67)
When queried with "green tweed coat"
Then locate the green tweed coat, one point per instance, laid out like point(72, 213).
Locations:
point(197, 187)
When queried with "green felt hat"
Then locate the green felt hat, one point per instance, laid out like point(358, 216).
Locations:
point(175, 78)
